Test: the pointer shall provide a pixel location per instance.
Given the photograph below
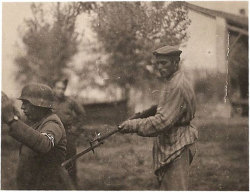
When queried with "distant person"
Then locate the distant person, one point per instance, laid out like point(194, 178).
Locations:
point(43, 146)
point(72, 116)
point(171, 124)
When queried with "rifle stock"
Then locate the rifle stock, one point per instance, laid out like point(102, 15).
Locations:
point(146, 113)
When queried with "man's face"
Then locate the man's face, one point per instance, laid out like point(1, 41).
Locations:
point(30, 111)
point(59, 89)
point(165, 66)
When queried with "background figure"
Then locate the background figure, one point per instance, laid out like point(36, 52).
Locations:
point(170, 125)
point(72, 116)
point(43, 146)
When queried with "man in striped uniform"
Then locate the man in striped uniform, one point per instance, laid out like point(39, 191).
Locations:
point(174, 135)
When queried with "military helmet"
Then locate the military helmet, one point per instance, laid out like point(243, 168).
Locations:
point(38, 94)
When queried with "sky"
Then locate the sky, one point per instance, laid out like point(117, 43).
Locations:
point(13, 15)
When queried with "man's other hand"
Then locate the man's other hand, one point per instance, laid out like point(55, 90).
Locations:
point(126, 127)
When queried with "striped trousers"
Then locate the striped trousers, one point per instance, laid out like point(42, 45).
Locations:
point(176, 173)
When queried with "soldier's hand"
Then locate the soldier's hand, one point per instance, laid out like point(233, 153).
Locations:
point(8, 110)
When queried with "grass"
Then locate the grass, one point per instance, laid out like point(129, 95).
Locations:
point(124, 162)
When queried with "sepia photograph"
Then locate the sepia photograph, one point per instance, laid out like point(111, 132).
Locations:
point(125, 95)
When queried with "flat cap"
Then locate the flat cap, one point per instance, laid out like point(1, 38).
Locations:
point(167, 50)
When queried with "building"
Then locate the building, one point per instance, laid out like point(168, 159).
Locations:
point(226, 36)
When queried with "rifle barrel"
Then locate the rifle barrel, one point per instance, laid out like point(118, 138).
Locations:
point(80, 154)
point(106, 136)
point(99, 142)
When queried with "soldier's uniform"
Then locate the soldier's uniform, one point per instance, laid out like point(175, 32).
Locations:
point(72, 116)
point(43, 146)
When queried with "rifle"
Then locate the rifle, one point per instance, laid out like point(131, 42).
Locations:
point(100, 140)
point(146, 113)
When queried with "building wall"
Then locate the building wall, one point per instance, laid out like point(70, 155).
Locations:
point(200, 49)
point(222, 45)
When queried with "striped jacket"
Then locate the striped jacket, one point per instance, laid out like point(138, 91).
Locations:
point(171, 123)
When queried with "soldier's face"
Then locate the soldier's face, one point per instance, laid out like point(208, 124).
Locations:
point(30, 110)
point(59, 89)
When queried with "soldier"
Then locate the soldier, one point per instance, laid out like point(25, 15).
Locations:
point(174, 135)
point(72, 116)
point(43, 146)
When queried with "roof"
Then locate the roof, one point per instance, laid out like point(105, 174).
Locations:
point(232, 18)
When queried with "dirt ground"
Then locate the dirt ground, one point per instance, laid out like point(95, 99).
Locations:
point(125, 162)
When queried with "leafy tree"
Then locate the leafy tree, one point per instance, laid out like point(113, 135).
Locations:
point(129, 31)
point(50, 41)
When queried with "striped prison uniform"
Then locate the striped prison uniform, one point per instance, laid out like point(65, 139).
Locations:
point(171, 124)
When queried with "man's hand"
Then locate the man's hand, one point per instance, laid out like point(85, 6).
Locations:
point(126, 127)
point(8, 110)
